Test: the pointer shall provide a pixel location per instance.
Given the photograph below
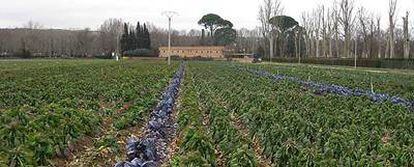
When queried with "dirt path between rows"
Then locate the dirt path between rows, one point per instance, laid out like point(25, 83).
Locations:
point(244, 131)
point(84, 153)
point(258, 149)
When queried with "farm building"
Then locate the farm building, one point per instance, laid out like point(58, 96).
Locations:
point(194, 51)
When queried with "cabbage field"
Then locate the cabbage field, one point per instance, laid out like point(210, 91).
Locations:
point(145, 113)
point(52, 110)
point(289, 123)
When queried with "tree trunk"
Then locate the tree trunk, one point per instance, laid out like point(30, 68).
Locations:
point(330, 48)
point(391, 39)
point(371, 40)
point(356, 53)
point(271, 52)
point(312, 46)
point(392, 44)
point(338, 53)
point(296, 46)
point(317, 48)
point(299, 48)
point(406, 38)
point(307, 45)
point(387, 49)
point(379, 38)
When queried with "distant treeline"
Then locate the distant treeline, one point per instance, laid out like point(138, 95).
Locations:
point(37, 41)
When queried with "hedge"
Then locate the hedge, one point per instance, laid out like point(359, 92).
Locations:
point(141, 53)
point(375, 63)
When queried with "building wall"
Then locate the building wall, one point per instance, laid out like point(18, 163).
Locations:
point(196, 51)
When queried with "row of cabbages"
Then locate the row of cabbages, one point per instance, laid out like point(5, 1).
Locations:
point(151, 149)
point(339, 90)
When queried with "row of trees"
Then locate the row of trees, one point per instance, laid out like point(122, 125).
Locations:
point(341, 30)
point(215, 31)
point(36, 40)
point(39, 41)
point(111, 36)
point(135, 38)
point(221, 31)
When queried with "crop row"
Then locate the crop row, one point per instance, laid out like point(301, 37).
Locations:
point(297, 127)
point(152, 148)
point(196, 147)
point(320, 88)
point(204, 120)
point(385, 82)
point(45, 110)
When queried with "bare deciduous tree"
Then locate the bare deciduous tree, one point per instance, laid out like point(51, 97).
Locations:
point(307, 33)
point(391, 16)
point(406, 37)
point(318, 15)
point(267, 10)
point(346, 19)
point(110, 31)
point(364, 22)
point(336, 30)
point(379, 43)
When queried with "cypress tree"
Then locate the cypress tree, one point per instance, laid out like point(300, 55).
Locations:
point(125, 38)
point(132, 40)
point(137, 38)
point(146, 38)
point(139, 30)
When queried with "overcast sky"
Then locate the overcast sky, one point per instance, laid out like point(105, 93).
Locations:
point(91, 13)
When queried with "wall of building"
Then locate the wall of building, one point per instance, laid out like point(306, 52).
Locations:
point(196, 51)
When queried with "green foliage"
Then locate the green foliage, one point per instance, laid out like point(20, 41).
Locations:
point(192, 159)
point(125, 39)
point(225, 36)
point(207, 114)
point(225, 24)
point(128, 119)
point(242, 157)
point(135, 39)
point(221, 30)
point(41, 117)
point(382, 82)
point(196, 145)
point(195, 141)
point(140, 53)
point(370, 62)
point(294, 126)
point(210, 21)
point(283, 23)
point(49, 105)
point(108, 141)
